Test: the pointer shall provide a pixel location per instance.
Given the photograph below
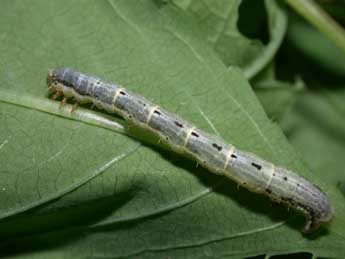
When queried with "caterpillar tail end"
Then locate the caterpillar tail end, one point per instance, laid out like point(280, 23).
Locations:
point(315, 219)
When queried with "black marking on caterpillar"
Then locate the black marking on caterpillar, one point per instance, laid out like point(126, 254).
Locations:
point(257, 166)
point(195, 134)
point(157, 112)
point(258, 175)
point(216, 146)
point(178, 124)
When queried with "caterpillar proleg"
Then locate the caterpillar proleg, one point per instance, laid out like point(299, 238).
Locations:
point(247, 169)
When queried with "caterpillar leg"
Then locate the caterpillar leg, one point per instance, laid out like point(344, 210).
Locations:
point(63, 102)
point(74, 107)
point(56, 95)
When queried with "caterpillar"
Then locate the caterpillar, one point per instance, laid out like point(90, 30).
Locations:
point(247, 169)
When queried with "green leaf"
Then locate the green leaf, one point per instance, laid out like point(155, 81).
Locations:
point(219, 21)
point(276, 96)
point(76, 187)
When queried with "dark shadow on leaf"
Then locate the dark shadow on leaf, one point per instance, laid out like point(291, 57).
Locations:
point(293, 256)
point(256, 257)
point(35, 230)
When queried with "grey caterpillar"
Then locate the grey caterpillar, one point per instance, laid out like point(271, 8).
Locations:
point(247, 169)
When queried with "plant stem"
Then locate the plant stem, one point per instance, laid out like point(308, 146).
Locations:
point(312, 12)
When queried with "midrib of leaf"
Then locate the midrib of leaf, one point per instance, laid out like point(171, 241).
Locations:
point(53, 107)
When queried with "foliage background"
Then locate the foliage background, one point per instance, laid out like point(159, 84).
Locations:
point(253, 72)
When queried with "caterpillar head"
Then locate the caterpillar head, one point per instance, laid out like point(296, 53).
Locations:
point(55, 79)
